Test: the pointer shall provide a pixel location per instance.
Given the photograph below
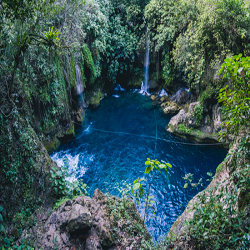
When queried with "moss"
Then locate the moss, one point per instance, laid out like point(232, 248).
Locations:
point(89, 62)
point(71, 131)
point(59, 203)
point(95, 100)
point(51, 145)
point(184, 130)
point(219, 168)
point(198, 112)
point(72, 73)
point(194, 134)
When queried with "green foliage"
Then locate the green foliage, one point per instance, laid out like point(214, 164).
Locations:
point(236, 97)
point(141, 192)
point(198, 112)
point(51, 35)
point(217, 223)
point(221, 212)
point(194, 37)
point(123, 214)
point(184, 130)
point(65, 188)
point(89, 62)
point(189, 181)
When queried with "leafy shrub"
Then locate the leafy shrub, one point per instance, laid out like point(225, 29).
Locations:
point(184, 130)
point(198, 112)
point(63, 187)
point(235, 98)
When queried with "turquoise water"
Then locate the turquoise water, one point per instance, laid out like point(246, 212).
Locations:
point(114, 143)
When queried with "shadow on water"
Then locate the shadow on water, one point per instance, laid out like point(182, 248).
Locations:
point(102, 159)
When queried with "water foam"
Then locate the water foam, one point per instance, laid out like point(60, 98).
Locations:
point(75, 169)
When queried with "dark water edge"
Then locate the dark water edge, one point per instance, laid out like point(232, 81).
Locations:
point(114, 143)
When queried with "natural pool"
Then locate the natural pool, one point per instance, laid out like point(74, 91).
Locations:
point(111, 147)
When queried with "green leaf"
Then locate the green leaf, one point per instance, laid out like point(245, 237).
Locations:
point(136, 186)
point(161, 166)
point(147, 170)
point(169, 165)
point(1, 209)
point(186, 185)
point(1, 217)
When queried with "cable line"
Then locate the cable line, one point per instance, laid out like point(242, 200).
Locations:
point(154, 137)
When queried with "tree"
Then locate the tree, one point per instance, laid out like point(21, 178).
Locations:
point(235, 97)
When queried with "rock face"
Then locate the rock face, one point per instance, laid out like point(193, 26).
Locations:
point(182, 96)
point(170, 107)
point(223, 180)
point(186, 123)
point(187, 118)
point(220, 180)
point(85, 223)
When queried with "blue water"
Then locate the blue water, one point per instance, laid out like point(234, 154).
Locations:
point(103, 158)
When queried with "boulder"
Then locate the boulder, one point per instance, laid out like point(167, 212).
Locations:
point(164, 98)
point(153, 97)
point(85, 223)
point(170, 107)
point(184, 123)
point(182, 96)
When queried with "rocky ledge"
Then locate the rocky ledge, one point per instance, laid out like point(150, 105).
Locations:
point(103, 222)
point(196, 123)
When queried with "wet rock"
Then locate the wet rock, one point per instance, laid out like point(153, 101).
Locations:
point(95, 100)
point(182, 96)
point(153, 97)
point(164, 98)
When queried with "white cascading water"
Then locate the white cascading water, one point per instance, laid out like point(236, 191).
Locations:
point(162, 93)
point(79, 84)
point(145, 85)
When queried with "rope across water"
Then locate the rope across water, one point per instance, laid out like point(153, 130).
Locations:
point(153, 137)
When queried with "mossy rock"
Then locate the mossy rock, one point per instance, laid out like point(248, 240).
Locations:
point(219, 168)
point(51, 145)
point(194, 134)
point(80, 115)
point(95, 100)
point(71, 131)
point(153, 97)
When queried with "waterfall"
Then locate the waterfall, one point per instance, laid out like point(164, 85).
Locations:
point(145, 85)
point(79, 84)
point(146, 66)
point(79, 89)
